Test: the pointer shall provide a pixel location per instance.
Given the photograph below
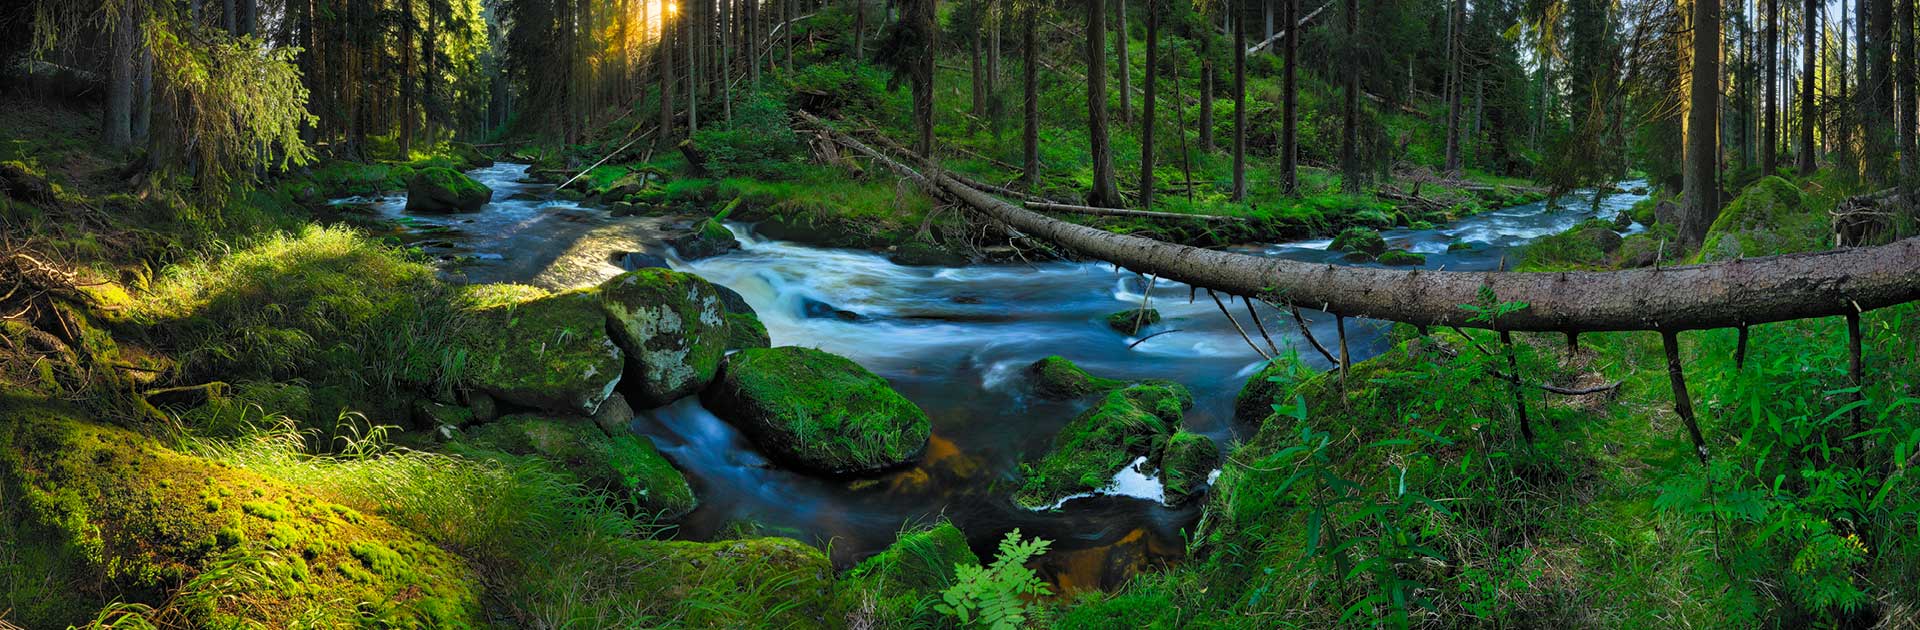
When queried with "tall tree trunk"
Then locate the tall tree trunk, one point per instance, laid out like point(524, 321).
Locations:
point(1106, 192)
point(1030, 86)
point(978, 78)
point(406, 80)
point(690, 31)
point(1843, 122)
point(142, 123)
point(1809, 159)
point(248, 19)
point(1456, 51)
point(1239, 9)
point(1878, 93)
point(1147, 114)
point(1126, 66)
point(1770, 130)
point(116, 127)
point(924, 17)
point(1206, 91)
point(859, 30)
point(230, 17)
point(1909, 107)
point(1350, 128)
point(1702, 200)
point(1290, 99)
point(663, 63)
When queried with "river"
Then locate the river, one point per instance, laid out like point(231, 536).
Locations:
point(954, 340)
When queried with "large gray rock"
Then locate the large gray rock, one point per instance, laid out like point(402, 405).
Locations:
point(674, 329)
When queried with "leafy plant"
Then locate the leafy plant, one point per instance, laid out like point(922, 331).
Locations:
point(994, 596)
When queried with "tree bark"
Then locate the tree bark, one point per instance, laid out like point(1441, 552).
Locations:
point(1909, 149)
point(1030, 73)
point(1670, 299)
point(1809, 160)
point(1147, 113)
point(1106, 192)
point(1456, 52)
point(1770, 103)
point(1877, 94)
point(1239, 9)
point(663, 63)
point(406, 80)
point(1350, 128)
point(1702, 201)
point(1206, 93)
point(116, 127)
point(1126, 65)
point(1290, 99)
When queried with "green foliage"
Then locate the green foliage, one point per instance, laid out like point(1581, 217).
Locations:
point(1359, 240)
point(758, 143)
point(1128, 423)
point(994, 596)
point(1057, 377)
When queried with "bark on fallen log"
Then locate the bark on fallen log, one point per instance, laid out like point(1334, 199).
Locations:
point(1120, 212)
point(1695, 297)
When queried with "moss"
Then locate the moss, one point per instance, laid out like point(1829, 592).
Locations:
point(624, 463)
point(1264, 390)
point(1132, 321)
point(1133, 422)
point(757, 583)
point(1770, 217)
point(103, 506)
point(440, 189)
point(1402, 258)
point(548, 353)
point(1589, 245)
point(817, 411)
point(1360, 240)
point(707, 239)
point(468, 155)
point(903, 582)
point(1184, 467)
point(744, 330)
point(673, 329)
point(1058, 378)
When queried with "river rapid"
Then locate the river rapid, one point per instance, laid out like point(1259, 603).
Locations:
point(954, 340)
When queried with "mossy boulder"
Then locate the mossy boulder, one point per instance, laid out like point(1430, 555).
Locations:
point(895, 584)
point(624, 463)
point(1359, 240)
point(1770, 217)
point(706, 239)
point(919, 253)
point(1186, 464)
point(1129, 423)
point(673, 327)
point(91, 514)
point(1057, 378)
point(1402, 258)
point(549, 352)
point(1588, 245)
point(818, 412)
point(1132, 321)
point(744, 330)
point(440, 189)
point(25, 183)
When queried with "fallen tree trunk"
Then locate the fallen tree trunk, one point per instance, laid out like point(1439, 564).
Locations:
point(1283, 34)
point(1721, 295)
point(1121, 212)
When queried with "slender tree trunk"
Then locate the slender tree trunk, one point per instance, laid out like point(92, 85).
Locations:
point(1147, 114)
point(1702, 200)
point(142, 124)
point(1206, 92)
point(924, 16)
point(1809, 159)
point(1350, 129)
point(978, 76)
point(1030, 85)
point(1455, 88)
point(663, 63)
point(1290, 99)
point(1878, 93)
point(1770, 130)
point(1843, 121)
point(1126, 66)
point(1239, 9)
point(117, 126)
point(230, 17)
point(859, 30)
point(1909, 151)
point(406, 79)
point(1106, 192)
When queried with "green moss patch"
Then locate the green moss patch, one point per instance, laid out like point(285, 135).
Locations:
point(105, 514)
point(1360, 240)
point(1402, 258)
point(673, 328)
point(627, 464)
point(440, 189)
point(1770, 217)
point(1129, 423)
point(1133, 320)
point(902, 583)
point(819, 412)
point(1057, 378)
point(547, 353)
point(756, 583)
point(1185, 465)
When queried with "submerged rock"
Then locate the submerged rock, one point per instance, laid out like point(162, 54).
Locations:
point(546, 353)
point(1057, 378)
point(1132, 321)
point(438, 189)
point(816, 309)
point(707, 239)
point(622, 462)
point(1128, 424)
point(1770, 217)
point(673, 327)
point(1402, 258)
point(818, 412)
point(1360, 240)
point(89, 504)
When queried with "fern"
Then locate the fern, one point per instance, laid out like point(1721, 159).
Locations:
point(994, 596)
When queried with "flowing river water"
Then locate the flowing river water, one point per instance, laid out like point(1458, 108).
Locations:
point(955, 341)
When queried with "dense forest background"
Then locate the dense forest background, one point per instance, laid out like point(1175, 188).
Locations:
point(233, 394)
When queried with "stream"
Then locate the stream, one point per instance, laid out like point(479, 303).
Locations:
point(953, 340)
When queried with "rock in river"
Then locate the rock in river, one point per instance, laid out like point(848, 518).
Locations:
point(674, 329)
point(438, 189)
point(548, 352)
point(818, 412)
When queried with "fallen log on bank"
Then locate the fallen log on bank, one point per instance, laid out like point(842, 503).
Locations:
point(1730, 294)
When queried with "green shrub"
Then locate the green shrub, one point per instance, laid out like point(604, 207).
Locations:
point(760, 142)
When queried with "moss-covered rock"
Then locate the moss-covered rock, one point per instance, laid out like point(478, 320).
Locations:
point(440, 189)
point(706, 239)
point(673, 327)
point(1263, 390)
point(1402, 258)
point(1361, 240)
point(744, 330)
point(1132, 321)
point(91, 514)
point(818, 412)
point(624, 463)
point(25, 183)
point(1770, 217)
point(1129, 423)
point(1184, 467)
point(1588, 245)
point(548, 352)
point(900, 584)
point(1057, 378)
